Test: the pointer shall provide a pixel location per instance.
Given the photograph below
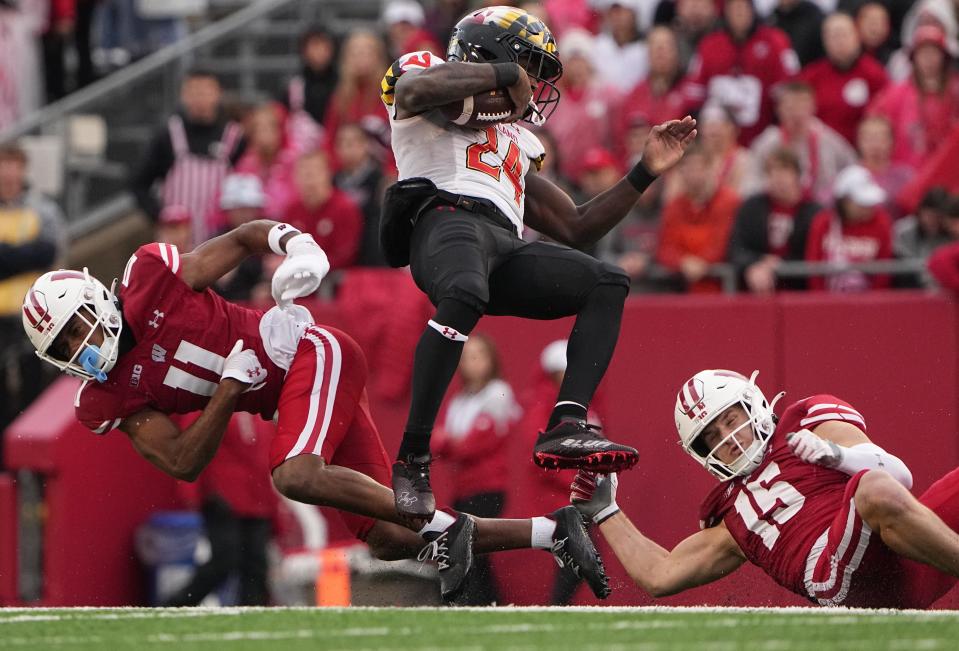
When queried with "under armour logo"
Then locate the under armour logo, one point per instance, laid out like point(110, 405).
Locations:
point(406, 498)
point(155, 321)
point(252, 373)
point(159, 353)
point(449, 333)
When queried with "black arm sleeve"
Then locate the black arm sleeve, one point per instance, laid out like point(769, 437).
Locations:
point(154, 166)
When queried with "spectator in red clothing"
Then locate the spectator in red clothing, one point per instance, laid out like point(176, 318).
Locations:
point(922, 108)
point(846, 79)
point(237, 500)
point(856, 230)
point(324, 211)
point(874, 141)
point(356, 98)
point(658, 97)
point(696, 224)
point(773, 226)
point(404, 21)
point(822, 152)
point(582, 120)
point(563, 15)
point(872, 23)
point(477, 422)
point(739, 66)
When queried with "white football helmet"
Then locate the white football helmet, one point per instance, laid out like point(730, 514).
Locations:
point(54, 299)
point(708, 394)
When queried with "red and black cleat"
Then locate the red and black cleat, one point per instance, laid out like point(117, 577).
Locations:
point(577, 444)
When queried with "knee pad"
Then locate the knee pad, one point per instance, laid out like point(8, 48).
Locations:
point(610, 274)
point(466, 287)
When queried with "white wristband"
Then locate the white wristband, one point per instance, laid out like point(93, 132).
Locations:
point(276, 234)
point(606, 513)
point(869, 456)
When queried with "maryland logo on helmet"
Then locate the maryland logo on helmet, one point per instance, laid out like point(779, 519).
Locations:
point(511, 35)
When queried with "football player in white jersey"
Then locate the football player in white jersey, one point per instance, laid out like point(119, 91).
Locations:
point(465, 249)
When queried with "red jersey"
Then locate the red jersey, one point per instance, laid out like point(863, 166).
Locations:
point(182, 339)
point(842, 95)
point(778, 511)
point(834, 240)
point(336, 225)
point(741, 75)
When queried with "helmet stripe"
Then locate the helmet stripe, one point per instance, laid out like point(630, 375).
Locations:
point(683, 401)
point(694, 396)
point(64, 274)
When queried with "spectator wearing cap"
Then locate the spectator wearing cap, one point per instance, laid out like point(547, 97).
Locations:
point(582, 120)
point(356, 98)
point(916, 236)
point(324, 211)
point(802, 21)
point(772, 226)
point(925, 106)
point(846, 79)
point(938, 13)
point(874, 141)
point(404, 21)
point(175, 227)
point(697, 223)
point(857, 229)
point(242, 200)
point(822, 152)
point(739, 66)
point(600, 171)
point(190, 155)
point(620, 55)
point(658, 97)
point(872, 23)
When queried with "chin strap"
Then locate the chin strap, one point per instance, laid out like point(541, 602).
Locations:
point(88, 358)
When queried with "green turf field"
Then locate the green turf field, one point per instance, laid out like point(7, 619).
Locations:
point(527, 629)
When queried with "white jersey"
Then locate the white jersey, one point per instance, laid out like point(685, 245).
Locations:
point(488, 164)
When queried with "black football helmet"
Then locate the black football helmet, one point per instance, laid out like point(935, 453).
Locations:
point(508, 34)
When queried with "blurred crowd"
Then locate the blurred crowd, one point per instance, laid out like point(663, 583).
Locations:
point(827, 134)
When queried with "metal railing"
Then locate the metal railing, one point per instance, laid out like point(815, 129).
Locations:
point(136, 98)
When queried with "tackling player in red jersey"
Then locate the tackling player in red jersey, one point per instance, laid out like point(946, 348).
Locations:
point(806, 497)
point(166, 344)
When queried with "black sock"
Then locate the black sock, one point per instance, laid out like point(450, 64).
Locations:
point(566, 411)
point(434, 364)
point(591, 344)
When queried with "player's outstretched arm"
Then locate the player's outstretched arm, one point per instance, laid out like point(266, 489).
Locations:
point(418, 91)
point(183, 454)
point(551, 211)
point(703, 557)
point(211, 260)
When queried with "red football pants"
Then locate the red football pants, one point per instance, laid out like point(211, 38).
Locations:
point(324, 410)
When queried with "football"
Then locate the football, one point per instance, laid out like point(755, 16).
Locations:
point(480, 110)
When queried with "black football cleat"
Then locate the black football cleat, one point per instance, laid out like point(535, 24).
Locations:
point(452, 550)
point(578, 444)
point(411, 488)
point(574, 551)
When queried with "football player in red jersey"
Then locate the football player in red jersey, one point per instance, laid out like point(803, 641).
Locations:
point(166, 344)
point(806, 497)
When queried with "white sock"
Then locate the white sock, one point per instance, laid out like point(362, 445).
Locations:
point(543, 529)
point(441, 522)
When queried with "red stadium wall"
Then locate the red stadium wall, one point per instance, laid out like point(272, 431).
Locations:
point(892, 355)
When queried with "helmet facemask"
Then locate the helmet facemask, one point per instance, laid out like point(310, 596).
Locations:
point(97, 308)
point(760, 417)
